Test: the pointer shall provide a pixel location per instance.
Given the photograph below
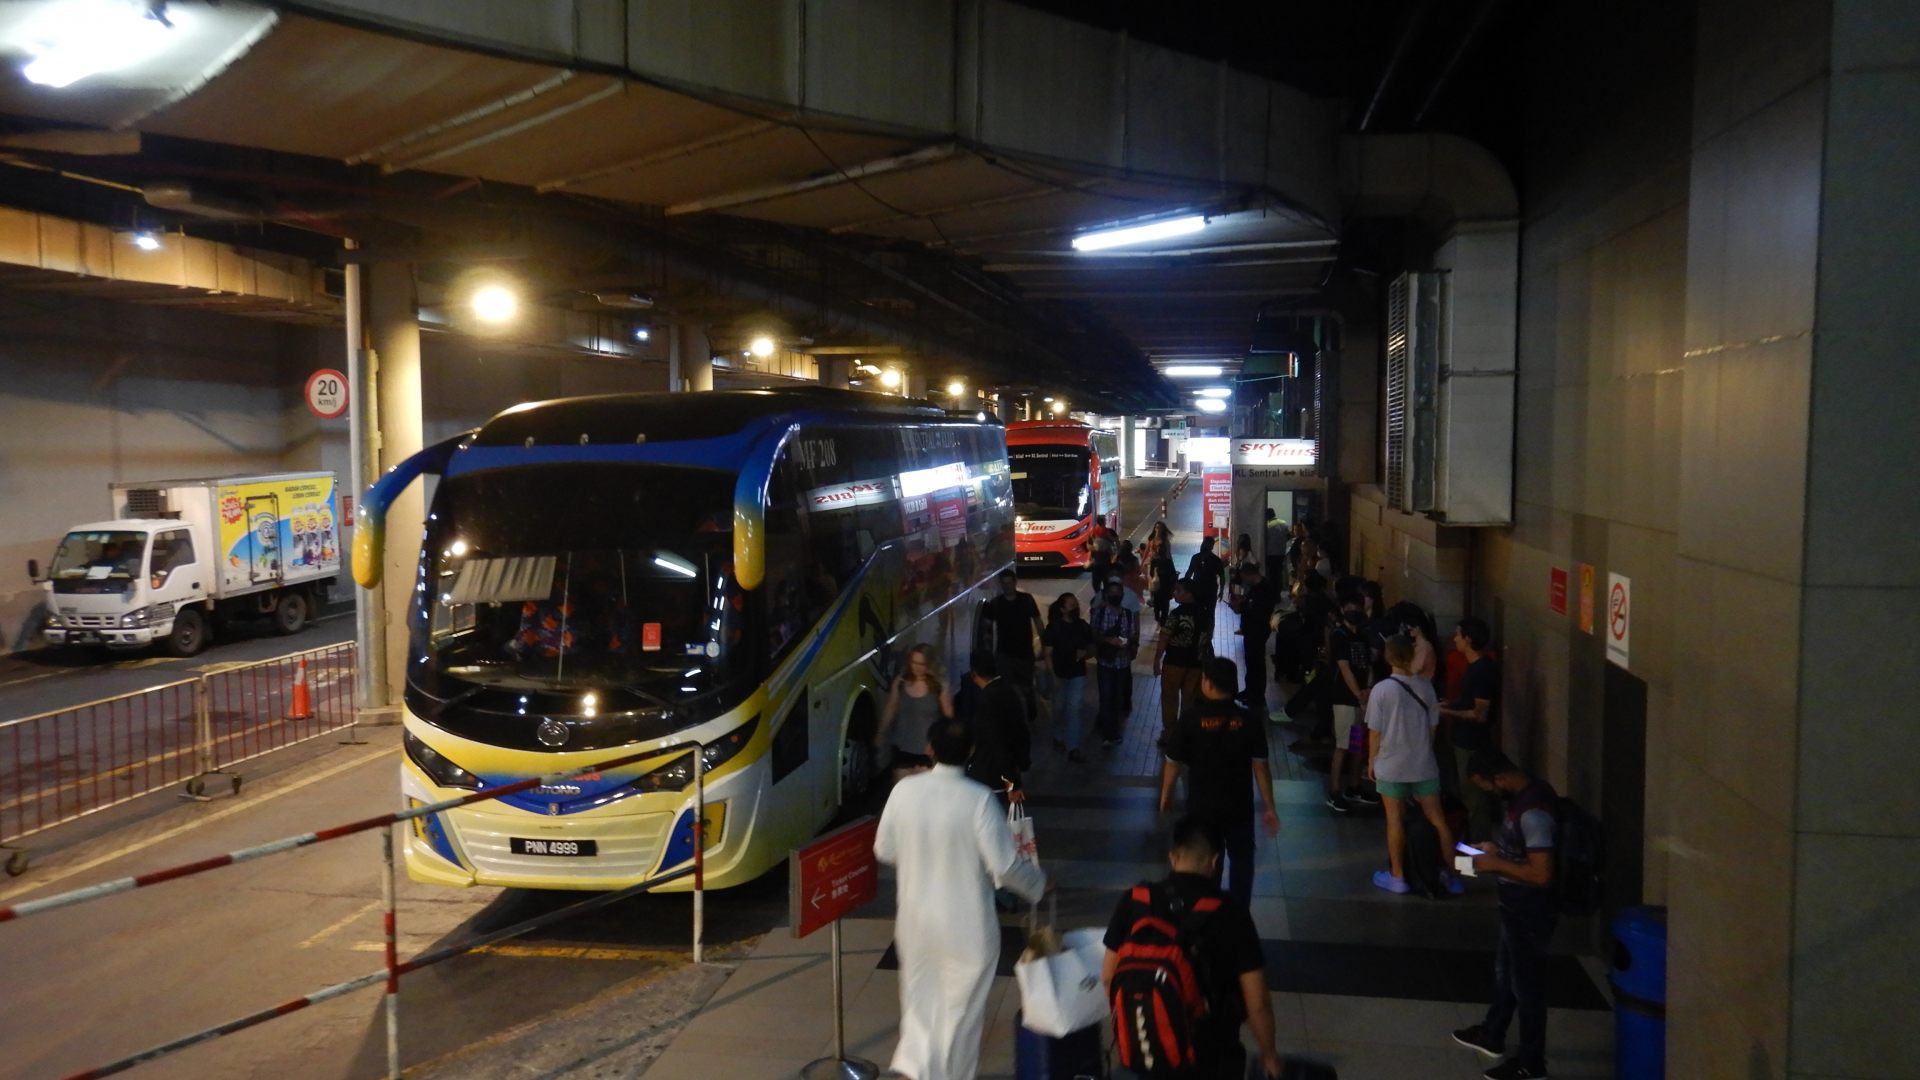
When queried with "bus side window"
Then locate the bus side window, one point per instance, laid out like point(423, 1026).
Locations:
point(789, 614)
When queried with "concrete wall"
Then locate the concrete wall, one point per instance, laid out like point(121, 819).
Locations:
point(1715, 400)
point(95, 391)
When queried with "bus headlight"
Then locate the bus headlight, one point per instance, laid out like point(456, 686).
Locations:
point(677, 775)
point(437, 766)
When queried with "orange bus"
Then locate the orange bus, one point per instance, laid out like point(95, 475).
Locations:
point(1063, 474)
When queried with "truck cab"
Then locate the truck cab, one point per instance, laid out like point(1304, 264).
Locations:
point(126, 584)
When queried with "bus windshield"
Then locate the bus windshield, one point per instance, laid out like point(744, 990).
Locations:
point(1050, 482)
point(608, 586)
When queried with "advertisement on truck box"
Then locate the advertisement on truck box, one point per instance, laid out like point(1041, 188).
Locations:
point(278, 530)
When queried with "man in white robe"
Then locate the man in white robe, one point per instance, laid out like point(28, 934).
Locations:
point(947, 838)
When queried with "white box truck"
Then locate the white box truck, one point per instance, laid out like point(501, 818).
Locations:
point(180, 557)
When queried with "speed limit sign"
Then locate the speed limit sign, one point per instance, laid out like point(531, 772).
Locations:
point(327, 394)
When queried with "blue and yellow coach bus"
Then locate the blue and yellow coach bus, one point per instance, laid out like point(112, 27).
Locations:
point(744, 570)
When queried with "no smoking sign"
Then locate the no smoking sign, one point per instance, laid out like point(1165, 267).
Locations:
point(327, 394)
point(1619, 618)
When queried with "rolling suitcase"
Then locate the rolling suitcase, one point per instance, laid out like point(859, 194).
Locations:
point(1078, 1056)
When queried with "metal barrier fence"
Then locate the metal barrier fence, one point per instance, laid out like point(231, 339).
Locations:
point(395, 968)
point(64, 764)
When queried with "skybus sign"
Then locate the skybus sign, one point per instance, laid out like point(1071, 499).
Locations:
point(1273, 451)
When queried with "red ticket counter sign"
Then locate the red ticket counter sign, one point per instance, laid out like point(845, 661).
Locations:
point(833, 876)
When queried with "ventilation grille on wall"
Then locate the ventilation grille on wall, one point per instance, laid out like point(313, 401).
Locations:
point(1416, 309)
point(1396, 448)
point(146, 502)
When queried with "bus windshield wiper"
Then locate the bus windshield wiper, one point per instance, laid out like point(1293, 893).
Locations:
point(456, 699)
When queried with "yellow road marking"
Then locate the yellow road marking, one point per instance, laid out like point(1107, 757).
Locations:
point(334, 928)
point(253, 802)
point(559, 952)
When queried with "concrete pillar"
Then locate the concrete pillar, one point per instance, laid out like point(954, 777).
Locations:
point(913, 382)
point(689, 358)
point(1004, 402)
point(1129, 466)
point(370, 690)
point(1795, 827)
point(835, 371)
point(392, 318)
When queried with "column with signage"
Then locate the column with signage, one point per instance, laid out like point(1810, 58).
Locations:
point(1262, 466)
point(831, 878)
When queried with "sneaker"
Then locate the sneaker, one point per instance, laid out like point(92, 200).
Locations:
point(1512, 1069)
point(1362, 795)
point(1109, 743)
point(1384, 879)
point(1338, 805)
point(1476, 1038)
point(1454, 886)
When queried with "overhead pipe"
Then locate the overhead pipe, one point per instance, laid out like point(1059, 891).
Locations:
point(1467, 41)
point(1400, 50)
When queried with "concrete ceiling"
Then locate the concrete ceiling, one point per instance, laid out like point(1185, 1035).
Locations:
point(927, 225)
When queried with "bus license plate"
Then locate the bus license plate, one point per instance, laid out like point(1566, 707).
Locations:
point(523, 846)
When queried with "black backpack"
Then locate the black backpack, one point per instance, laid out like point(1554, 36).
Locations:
point(1421, 859)
point(1579, 851)
point(1157, 993)
point(1579, 859)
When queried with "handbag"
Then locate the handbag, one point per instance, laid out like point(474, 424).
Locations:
point(1022, 828)
point(1059, 979)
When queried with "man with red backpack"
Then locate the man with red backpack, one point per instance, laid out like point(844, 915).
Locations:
point(1184, 968)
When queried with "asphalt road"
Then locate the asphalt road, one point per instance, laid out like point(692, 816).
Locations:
point(133, 970)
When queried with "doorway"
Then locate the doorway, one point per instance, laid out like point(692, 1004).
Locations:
point(1623, 784)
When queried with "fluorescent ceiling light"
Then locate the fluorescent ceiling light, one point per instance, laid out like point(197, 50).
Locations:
point(1210, 405)
point(1192, 371)
point(1214, 392)
point(675, 565)
point(146, 241)
point(73, 39)
point(1139, 234)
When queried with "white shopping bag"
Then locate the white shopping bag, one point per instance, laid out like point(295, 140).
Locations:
point(1061, 994)
point(1022, 827)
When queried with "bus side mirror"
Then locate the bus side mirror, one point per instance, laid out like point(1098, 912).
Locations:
point(33, 570)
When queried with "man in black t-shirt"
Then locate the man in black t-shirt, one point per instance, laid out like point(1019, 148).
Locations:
point(1068, 640)
point(1013, 619)
point(1255, 604)
point(1225, 953)
point(1204, 572)
point(1471, 713)
point(1224, 750)
point(1176, 658)
point(1002, 742)
point(1350, 658)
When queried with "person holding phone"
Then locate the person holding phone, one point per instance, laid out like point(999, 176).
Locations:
point(1520, 857)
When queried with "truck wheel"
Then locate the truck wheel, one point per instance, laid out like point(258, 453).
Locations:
point(189, 633)
point(290, 614)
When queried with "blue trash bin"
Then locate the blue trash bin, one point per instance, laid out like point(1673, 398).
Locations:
point(1639, 981)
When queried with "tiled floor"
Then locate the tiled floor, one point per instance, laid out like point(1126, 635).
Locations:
point(1369, 982)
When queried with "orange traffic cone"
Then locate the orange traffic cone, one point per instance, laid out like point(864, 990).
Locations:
point(302, 707)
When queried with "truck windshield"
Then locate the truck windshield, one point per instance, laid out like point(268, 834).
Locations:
point(1049, 482)
point(598, 587)
point(98, 561)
